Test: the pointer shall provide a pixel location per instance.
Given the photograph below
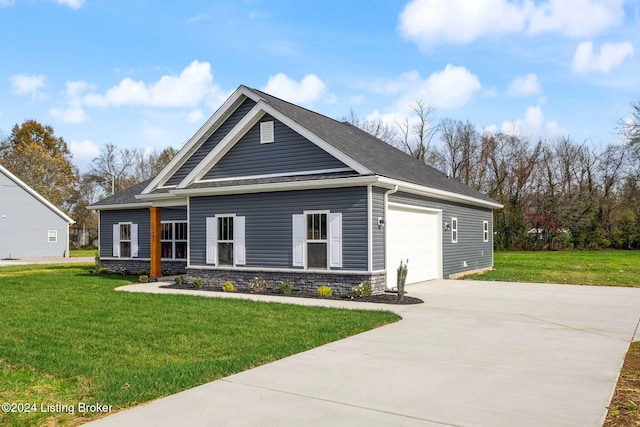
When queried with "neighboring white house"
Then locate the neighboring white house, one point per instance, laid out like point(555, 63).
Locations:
point(30, 226)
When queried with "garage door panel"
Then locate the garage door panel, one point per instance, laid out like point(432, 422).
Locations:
point(413, 235)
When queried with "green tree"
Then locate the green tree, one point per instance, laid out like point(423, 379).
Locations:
point(42, 160)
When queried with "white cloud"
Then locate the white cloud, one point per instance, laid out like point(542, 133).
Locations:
point(585, 60)
point(575, 18)
point(24, 84)
point(533, 125)
point(69, 115)
point(194, 116)
point(193, 86)
point(450, 88)
point(432, 22)
point(310, 89)
point(524, 86)
point(84, 150)
point(73, 4)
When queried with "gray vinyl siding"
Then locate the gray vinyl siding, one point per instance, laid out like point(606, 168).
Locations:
point(268, 227)
point(211, 142)
point(25, 223)
point(470, 247)
point(289, 153)
point(377, 211)
point(173, 214)
point(134, 216)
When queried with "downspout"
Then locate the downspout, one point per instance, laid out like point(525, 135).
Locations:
point(386, 236)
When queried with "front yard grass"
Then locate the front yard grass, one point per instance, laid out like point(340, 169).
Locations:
point(607, 267)
point(66, 337)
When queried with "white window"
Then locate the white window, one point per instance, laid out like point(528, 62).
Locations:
point(52, 236)
point(317, 240)
point(317, 247)
point(485, 231)
point(225, 241)
point(266, 132)
point(125, 240)
point(173, 236)
point(454, 230)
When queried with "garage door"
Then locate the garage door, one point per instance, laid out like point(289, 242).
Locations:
point(413, 234)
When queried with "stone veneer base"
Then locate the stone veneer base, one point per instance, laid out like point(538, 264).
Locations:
point(303, 282)
point(169, 268)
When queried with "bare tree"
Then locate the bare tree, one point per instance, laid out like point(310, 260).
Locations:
point(376, 127)
point(415, 139)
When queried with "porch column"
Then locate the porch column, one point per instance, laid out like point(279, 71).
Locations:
point(156, 248)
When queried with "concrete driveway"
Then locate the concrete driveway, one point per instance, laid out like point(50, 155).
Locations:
point(476, 353)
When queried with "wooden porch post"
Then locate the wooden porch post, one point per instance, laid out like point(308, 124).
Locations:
point(156, 248)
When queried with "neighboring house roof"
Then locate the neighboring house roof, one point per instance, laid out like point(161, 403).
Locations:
point(364, 154)
point(36, 195)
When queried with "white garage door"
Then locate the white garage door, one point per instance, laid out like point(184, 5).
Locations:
point(413, 234)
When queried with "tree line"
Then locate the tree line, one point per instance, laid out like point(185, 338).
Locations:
point(43, 161)
point(557, 193)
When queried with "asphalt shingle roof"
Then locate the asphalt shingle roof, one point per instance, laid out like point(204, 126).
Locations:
point(376, 155)
point(379, 157)
point(126, 196)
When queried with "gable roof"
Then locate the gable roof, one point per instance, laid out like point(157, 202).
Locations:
point(365, 154)
point(36, 195)
point(375, 154)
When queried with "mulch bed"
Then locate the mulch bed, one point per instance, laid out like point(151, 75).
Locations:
point(623, 410)
point(385, 298)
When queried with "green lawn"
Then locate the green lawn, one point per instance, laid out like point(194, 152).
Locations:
point(74, 253)
point(67, 337)
point(611, 268)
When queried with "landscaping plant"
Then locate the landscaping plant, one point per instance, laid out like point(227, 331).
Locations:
point(401, 278)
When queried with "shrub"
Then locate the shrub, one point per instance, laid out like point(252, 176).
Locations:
point(143, 273)
point(286, 288)
point(179, 280)
point(258, 285)
point(102, 270)
point(97, 260)
point(361, 290)
point(143, 278)
point(325, 291)
point(228, 287)
point(197, 282)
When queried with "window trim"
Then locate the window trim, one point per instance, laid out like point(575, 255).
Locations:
point(232, 241)
point(120, 240)
point(326, 241)
point(52, 234)
point(485, 231)
point(174, 240)
point(454, 230)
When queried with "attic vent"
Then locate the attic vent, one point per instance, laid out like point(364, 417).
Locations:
point(266, 132)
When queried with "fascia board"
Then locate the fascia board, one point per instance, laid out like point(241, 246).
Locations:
point(120, 206)
point(438, 194)
point(230, 139)
point(200, 136)
point(36, 195)
point(280, 186)
point(353, 164)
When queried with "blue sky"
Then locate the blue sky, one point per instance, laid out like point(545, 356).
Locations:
point(148, 74)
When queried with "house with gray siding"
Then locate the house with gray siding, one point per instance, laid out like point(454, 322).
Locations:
point(30, 226)
point(270, 189)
